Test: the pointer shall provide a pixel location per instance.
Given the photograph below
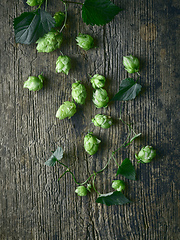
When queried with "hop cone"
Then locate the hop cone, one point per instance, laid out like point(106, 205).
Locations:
point(33, 3)
point(146, 154)
point(59, 18)
point(131, 64)
point(91, 143)
point(81, 191)
point(79, 92)
point(34, 83)
point(66, 110)
point(63, 64)
point(49, 42)
point(85, 41)
point(98, 81)
point(103, 121)
point(118, 185)
point(100, 98)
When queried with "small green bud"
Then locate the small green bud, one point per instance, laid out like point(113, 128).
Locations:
point(66, 110)
point(34, 83)
point(98, 81)
point(49, 42)
point(59, 18)
point(63, 64)
point(146, 154)
point(91, 143)
point(100, 98)
point(131, 64)
point(85, 41)
point(89, 187)
point(41, 78)
point(79, 92)
point(81, 191)
point(118, 185)
point(33, 3)
point(103, 121)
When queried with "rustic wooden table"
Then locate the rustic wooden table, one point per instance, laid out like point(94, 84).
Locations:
point(34, 205)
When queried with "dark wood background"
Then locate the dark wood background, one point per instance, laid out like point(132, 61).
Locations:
point(34, 205)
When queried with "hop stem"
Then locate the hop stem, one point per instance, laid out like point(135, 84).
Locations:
point(73, 2)
point(65, 19)
point(62, 175)
point(94, 185)
point(46, 5)
point(130, 129)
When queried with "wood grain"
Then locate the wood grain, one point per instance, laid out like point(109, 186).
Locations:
point(34, 205)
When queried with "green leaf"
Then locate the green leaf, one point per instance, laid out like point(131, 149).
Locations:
point(132, 139)
point(51, 161)
point(30, 26)
point(128, 90)
point(99, 12)
point(113, 198)
point(127, 170)
point(57, 155)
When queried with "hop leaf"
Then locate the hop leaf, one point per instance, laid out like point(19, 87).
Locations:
point(128, 90)
point(127, 169)
point(99, 12)
point(30, 26)
point(57, 155)
point(112, 198)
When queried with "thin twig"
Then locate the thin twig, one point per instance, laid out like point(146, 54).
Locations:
point(65, 20)
point(93, 184)
point(73, 2)
point(46, 5)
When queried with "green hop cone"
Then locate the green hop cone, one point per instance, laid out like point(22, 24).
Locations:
point(146, 154)
point(34, 83)
point(118, 185)
point(131, 64)
point(98, 81)
point(63, 64)
point(66, 110)
point(91, 143)
point(33, 3)
point(79, 92)
point(49, 42)
point(85, 41)
point(100, 98)
point(103, 121)
point(59, 18)
point(81, 191)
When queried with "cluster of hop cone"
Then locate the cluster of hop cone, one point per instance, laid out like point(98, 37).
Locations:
point(100, 99)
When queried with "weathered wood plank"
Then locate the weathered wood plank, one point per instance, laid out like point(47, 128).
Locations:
point(34, 205)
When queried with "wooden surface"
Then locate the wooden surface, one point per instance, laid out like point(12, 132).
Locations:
point(34, 205)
